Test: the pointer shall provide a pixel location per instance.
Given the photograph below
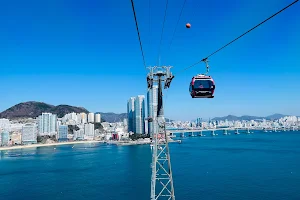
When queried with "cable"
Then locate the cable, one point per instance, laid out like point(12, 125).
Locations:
point(177, 24)
point(137, 28)
point(242, 35)
point(162, 31)
point(149, 21)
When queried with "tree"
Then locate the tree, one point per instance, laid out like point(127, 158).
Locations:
point(53, 137)
point(98, 126)
point(39, 138)
point(136, 136)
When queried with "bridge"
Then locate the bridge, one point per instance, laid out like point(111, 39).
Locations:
point(212, 130)
point(225, 130)
point(197, 130)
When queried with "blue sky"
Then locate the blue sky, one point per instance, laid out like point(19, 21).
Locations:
point(86, 53)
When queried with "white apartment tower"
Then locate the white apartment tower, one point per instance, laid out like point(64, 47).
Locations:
point(29, 134)
point(5, 124)
point(98, 118)
point(47, 123)
point(83, 118)
point(79, 119)
point(91, 117)
point(89, 131)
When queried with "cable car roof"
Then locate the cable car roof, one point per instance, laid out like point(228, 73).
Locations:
point(202, 76)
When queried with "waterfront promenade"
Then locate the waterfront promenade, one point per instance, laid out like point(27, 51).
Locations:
point(120, 143)
point(46, 145)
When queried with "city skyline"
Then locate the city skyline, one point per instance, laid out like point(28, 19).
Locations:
point(74, 127)
point(84, 116)
point(83, 127)
point(79, 48)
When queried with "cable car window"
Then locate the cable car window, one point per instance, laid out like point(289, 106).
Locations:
point(202, 84)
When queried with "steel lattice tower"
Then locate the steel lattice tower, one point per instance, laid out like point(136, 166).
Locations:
point(161, 180)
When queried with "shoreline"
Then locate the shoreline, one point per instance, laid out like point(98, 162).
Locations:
point(46, 145)
point(118, 143)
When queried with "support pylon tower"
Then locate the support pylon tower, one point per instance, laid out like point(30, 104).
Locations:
point(161, 179)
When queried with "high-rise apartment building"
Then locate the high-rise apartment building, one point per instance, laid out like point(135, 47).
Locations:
point(130, 114)
point(198, 122)
point(146, 126)
point(89, 131)
point(53, 124)
point(91, 118)
point(139, 114)
point(47, 123)
point(152, 103)
point(125, 123)
point(98, 118)
point(79, 134)
point(29, 134)
point(83, 118)
point(79, 119)
point(5, 124)
point(63, 133)
point(4, 138)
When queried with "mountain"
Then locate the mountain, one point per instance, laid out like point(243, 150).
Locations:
point(248, 117)
point(113, 117)
point(33, 109)
point(61, 110)
point(275, 116)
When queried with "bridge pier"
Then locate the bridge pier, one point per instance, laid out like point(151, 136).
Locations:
point(200, 134)
point(213, 133)
point(237, 131)
point(191, 134)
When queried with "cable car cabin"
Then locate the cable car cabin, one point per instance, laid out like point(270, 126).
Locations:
point(202, 86)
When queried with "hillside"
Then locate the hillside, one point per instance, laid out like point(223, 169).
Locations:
point(33, 109)
point(113, 117)
point(61, 110)
point(248, 117)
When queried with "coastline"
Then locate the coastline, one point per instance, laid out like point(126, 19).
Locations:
point(119, 143)
point(45, 145)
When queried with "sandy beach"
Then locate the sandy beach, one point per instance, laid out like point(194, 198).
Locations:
point(121, 143)
point(45, 145)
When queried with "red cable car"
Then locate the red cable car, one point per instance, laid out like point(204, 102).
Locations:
point(202, 86)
